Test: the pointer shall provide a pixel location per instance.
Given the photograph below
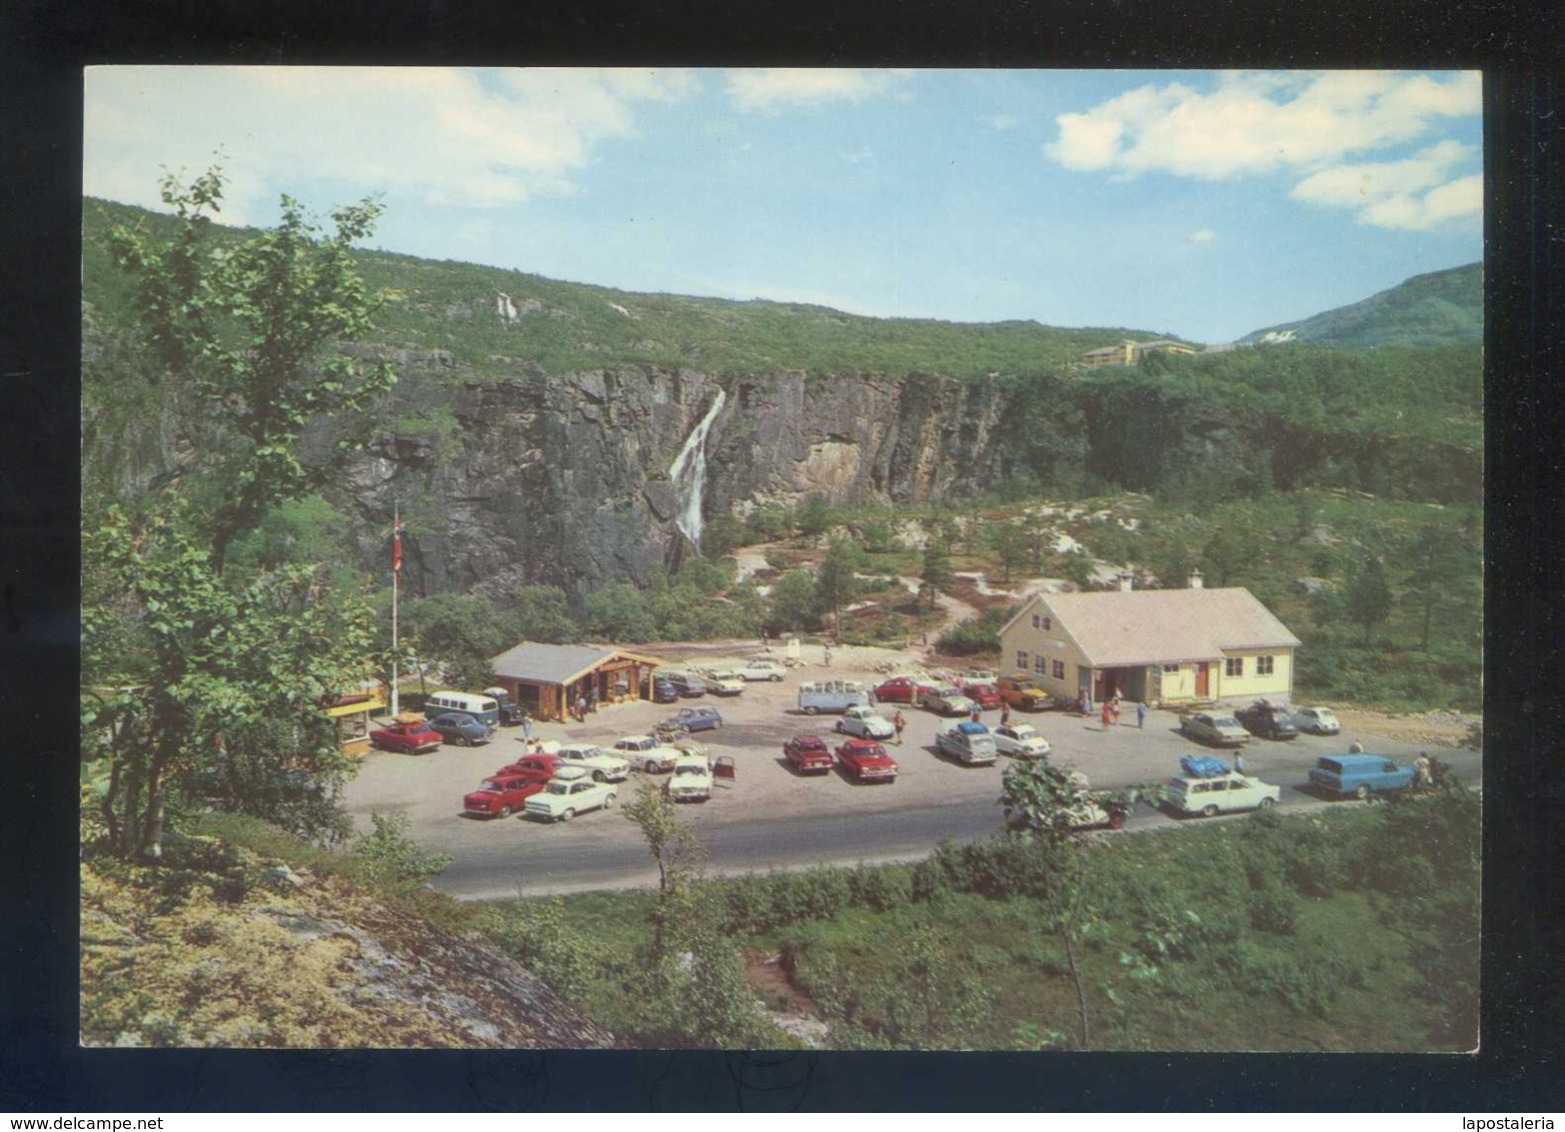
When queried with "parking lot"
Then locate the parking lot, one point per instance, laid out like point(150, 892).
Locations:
point(756, 724)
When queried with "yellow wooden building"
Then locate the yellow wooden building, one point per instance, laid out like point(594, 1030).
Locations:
point(1160, 646)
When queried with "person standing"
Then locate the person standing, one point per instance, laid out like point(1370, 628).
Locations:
point(581, 709)
point(898, 721)
point(1356, 747)
point(1114, 708)
point(1238, 762)
point(1103, 713)
point(527, 726)
point(1141, 714)
point(977, 711)
point(1005, 713)
point(592, 699)
point(1424, 780)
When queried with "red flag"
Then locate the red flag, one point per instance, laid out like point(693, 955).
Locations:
point(396, 548)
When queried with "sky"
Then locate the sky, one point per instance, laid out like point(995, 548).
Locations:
point(1204, 204)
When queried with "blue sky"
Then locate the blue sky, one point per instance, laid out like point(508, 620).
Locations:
point(1203, 204)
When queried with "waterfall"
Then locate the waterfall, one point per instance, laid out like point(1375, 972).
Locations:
point(689, 475)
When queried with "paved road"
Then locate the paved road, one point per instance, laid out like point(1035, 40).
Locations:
point(873, 836)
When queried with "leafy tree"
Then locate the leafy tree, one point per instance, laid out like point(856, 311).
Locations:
point(543, 615)
point(1011, 545)
point(721, 536)
point(794, 601)
point(1366, 597)
point(837, 582)
point(936, 575)
point(1221, 557)
point(1445, 571)
point(458, 632)
point(252, 325)
point(393, 856)
point(618, 612)
point(179, 669)
point(877, 536)
point(814, 516)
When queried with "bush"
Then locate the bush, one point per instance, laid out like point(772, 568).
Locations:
point(880, 888)
point(389, 854)
point(1273, 906)
point(1308, 983)
point(976, 635)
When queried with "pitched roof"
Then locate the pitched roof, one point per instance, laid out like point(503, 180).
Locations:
point(1163, 626)
point(555, 664)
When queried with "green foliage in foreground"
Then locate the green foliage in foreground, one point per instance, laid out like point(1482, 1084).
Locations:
point(1352, 929)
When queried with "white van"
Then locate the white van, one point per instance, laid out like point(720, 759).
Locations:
point(483, 708)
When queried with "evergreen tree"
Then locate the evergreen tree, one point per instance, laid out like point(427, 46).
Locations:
point(1366, 597)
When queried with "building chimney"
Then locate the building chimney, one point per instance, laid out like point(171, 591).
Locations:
point(1127, 581)
point(1195, 579)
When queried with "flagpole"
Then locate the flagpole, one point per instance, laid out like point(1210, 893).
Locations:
point(396, 575)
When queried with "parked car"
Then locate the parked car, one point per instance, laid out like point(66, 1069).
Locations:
point(463, 730)
point(1218, 794)
point(511, 714)
point(762, 670)
point(1317, 721)
point(866, 761)
point(865, 722)
point(1361, 775)
point(725, 683)
point(696, 718)
point(659, 690)
point(1217, 730)
point(537, 766)
point(901, 690)
point(645, 753)
point(691, 780)
point(977, 676)
point(967, 742)
point(808, 754)
point(986, 696)
point(1020, 741)
point(817, 696)
point(407, 733)
point(1267, 720)
point(1021, 691)
point(947, 701)
point(501, 795)
point(570, 792)
point(687, 684)
point(1093, 813)
point(602, 765)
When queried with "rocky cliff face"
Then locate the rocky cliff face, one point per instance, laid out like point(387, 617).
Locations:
point(566, 479)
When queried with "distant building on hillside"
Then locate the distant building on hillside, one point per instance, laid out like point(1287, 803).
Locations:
point(1128, 353)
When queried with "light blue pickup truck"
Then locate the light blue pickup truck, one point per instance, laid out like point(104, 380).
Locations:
point(1360, 775)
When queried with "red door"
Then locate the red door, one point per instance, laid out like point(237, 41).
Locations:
point(1200, 681)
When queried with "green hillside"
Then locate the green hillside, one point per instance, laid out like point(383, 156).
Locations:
point(451, 306)
point(1438, 309)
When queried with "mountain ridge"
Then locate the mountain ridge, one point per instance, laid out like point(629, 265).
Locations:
point(1436, 308)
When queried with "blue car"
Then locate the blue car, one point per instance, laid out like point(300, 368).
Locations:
point(463, 730)
point(1361, 775)
point(696, 718)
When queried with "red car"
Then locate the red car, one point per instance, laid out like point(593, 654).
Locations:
point(900, 690)
point(808, 754)
point(986, 696)
point(538, 767)
point(501, 795)
point(408, 733)
point(867, 761)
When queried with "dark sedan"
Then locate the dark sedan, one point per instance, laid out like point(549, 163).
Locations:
point(1267, 720)
point(463, 730)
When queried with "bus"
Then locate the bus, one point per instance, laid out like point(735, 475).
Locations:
point(483, 708)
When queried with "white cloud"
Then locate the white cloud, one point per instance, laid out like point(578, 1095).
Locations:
point(1202, 236)
point(445, 135)
point(1255, 122)
point(774, 89)
point(1004, 122)
point(1414, 194)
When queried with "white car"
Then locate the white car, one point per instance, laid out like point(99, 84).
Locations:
point(645, 753)
point(1317, 721)
point(691, 780)
point(865, 722)
point(947, 701)
point(1020, 741)
point(570, 792)
point(603, 766)
point(967, 742)
point(1219, 794)
point(725, 683)
point(762, 670)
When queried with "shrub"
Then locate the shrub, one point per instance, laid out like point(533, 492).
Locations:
point(389, 854)
point(1273, 906)
point(1308, 983)
point(880, 888)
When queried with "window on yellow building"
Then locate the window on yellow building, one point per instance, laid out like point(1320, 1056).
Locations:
point(1233, 666)
point(1021, 659)
point(1059, 670)
point(1263, 665)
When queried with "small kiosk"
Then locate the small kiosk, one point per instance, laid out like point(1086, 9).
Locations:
point(353, 711)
